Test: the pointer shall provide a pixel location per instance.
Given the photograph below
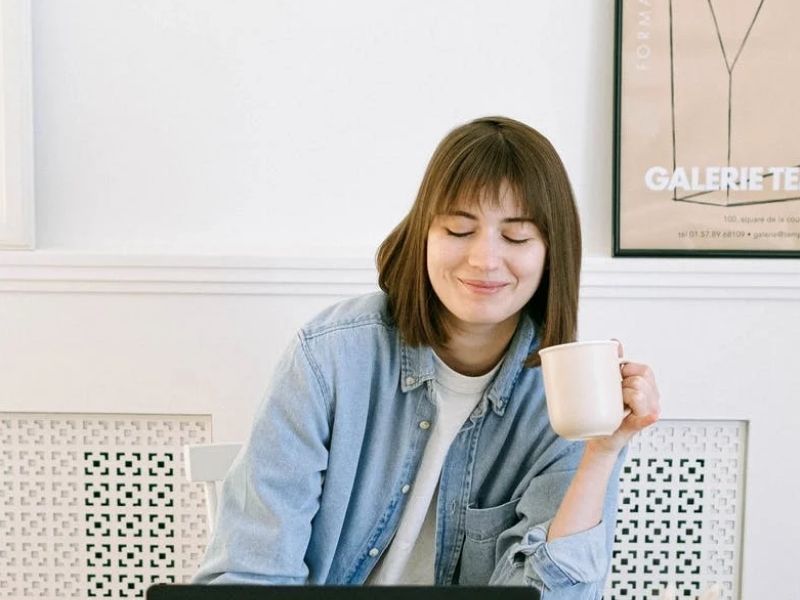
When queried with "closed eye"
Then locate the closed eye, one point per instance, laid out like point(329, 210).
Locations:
point(516, 241)
point(458, 233)
point(510, 240)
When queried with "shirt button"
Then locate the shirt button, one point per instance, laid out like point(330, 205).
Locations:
point(374, 552)
point(410, 381)
point(405, 488)
point(424, 424)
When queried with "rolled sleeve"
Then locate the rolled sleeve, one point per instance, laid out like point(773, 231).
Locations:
point(578, 558)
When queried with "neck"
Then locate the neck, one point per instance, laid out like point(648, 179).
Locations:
point(476, 349)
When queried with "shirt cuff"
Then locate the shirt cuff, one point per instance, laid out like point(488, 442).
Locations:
point(578, 558)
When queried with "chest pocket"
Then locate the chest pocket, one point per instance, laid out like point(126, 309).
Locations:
point(482, 526)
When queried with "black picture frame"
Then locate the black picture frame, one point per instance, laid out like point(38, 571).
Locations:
point(705, 223)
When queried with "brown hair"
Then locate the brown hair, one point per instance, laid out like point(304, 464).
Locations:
point(469, 165)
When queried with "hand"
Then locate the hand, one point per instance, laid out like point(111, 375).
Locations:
point(640, 396)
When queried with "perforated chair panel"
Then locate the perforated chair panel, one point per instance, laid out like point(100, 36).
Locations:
point(680, 511)
point(97, 505)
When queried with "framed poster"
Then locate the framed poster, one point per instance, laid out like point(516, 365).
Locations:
point(707, 128)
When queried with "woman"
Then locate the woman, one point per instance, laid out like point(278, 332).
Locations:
point(405, 437)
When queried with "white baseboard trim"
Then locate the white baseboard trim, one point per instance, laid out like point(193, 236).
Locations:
point(64, 272)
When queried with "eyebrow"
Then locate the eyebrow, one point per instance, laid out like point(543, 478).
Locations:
point(468, 215)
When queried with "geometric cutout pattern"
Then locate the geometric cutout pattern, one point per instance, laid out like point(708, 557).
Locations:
point(680, 513)
point(96, 505)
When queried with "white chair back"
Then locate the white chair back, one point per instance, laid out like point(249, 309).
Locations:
point(209, 463)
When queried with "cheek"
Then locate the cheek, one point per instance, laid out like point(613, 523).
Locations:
point(434, 262)
point(441, 255)
point(529, 267)
point(432, 258)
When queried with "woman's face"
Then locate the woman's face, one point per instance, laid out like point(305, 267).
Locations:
point(485, 263)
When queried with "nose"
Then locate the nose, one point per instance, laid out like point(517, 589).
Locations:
point(485, 253)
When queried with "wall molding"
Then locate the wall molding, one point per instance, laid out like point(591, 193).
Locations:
point(66, 272)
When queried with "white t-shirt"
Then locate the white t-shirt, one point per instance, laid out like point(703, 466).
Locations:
point(411, 555)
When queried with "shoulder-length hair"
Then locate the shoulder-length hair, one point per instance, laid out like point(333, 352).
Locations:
point(468, 167)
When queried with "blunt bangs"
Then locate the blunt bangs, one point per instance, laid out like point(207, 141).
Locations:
point(476, 179)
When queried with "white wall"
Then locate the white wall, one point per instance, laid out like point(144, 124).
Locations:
point(208, 175)
point(198, 126)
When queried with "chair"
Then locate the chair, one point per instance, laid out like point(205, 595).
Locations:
point(209, 463)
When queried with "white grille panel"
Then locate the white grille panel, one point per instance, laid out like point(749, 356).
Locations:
point(97, 505)
point(680, 511)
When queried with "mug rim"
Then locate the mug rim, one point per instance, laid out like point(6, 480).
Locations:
point(576, 344)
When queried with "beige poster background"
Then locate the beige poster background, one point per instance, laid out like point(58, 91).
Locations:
point(709, 155)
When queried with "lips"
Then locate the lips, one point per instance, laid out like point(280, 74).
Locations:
point(483, 287)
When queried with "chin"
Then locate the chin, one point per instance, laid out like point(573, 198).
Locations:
point(483, 317)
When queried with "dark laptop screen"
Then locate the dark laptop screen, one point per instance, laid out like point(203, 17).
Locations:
point(258, 592)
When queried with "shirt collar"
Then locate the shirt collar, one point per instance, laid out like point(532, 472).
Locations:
point(417, 367)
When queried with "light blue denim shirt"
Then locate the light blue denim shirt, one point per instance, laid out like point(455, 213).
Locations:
point(317, 494)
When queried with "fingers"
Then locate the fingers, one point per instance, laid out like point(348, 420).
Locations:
point(631, 368)
point(640, 394)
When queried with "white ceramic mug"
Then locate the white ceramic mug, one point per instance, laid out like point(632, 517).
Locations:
point(582, 384)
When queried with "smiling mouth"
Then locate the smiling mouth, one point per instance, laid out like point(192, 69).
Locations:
point(482, 287)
